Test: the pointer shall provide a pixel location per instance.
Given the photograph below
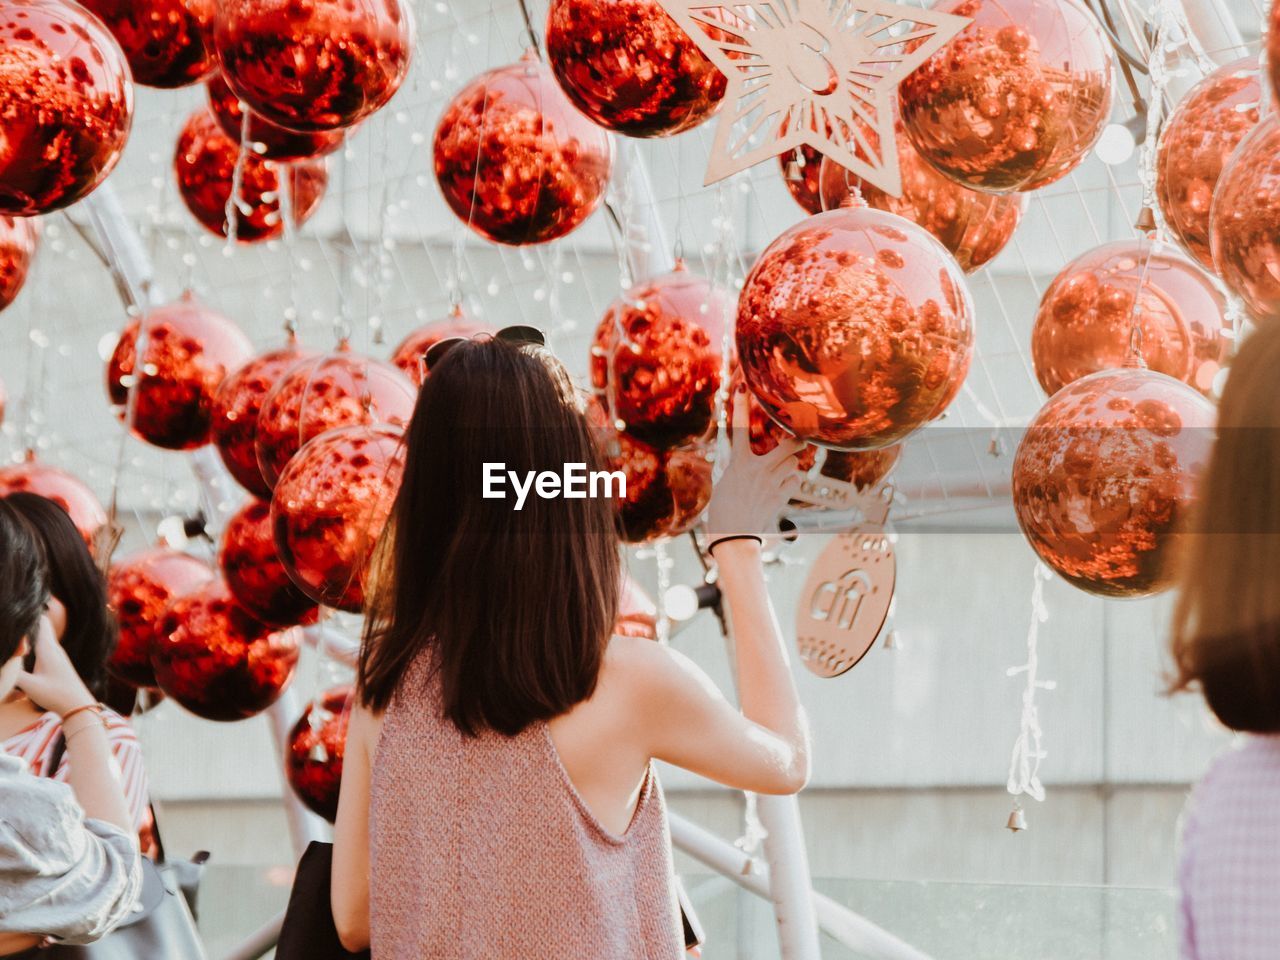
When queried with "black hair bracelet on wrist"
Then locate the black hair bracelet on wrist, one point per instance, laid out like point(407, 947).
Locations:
point(711, 547)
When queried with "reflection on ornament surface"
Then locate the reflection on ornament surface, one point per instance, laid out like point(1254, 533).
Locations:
point(516, 161)
point(168, 43)
point(1245, 221)
point(139, 590)
point(253, 571)
point(219, 661)
point(1105, 476)
point(855, 328)
point(1195, 144)
point(1087, 315)
point(67, 103)
point(1017, 100)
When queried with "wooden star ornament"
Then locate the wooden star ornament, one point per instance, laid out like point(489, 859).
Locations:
point(821, 73)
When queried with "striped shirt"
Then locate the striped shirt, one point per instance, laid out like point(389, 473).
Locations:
point(34, 745)
point(1230, 867)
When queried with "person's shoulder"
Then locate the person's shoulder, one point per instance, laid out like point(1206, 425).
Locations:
point(646, 668)
point(39, 810)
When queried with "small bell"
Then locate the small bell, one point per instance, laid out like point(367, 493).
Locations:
point(892, 641)
point(318, 753)
point(795, 171)
point(1017, 820)
point(995, 448)
point(1146, 221)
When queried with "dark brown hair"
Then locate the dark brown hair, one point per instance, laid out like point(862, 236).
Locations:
point(1226, 625)
point(78, 584)
point(514, 607)
point(24, 587)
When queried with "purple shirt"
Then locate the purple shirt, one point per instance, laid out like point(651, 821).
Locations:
point(1229, 875)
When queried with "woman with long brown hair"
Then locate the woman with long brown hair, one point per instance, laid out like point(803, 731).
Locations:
point(498, 797)
point(1226, 644)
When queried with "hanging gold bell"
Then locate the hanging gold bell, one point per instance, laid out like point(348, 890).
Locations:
point(1017, 820)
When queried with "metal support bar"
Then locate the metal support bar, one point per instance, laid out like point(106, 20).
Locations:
point(259, 943)
point(836, 920)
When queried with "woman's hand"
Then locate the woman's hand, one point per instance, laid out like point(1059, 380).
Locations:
point(753, 490)
point(53, 684)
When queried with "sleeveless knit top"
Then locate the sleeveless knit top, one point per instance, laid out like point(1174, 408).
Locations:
point(481, 849)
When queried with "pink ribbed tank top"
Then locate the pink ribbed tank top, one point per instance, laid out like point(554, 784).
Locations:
point(481, 849)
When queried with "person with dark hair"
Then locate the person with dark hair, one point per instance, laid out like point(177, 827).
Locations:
point(498, 795)
point(69, 863)
point(86, 631)
point(1226, 645)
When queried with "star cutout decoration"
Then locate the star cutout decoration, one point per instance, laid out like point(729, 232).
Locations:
point(821, 73)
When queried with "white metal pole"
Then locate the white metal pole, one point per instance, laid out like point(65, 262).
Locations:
point(790, 887)
point(847, 928)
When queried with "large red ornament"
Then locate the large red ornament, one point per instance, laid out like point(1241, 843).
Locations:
point(265, 138)
point(1245, 222)
point(802, 173)
point(330, 506)
point(1105, 475)
point(516, 161)
point(314, 65)
point(973, 226)
point(190, 349)
point(408, 355)
point(1087, 314)
point(218, 660)
point(66, 103)
point(253, 571)
point(62, 488)
point(657, 357)
point(1195, 144)
point(169, 43)
point(1273, 51)
point(667, 490)
point(1015, 101)
point(205, 165)
point(313, 753)
point(855, 329)
point(236, 406)
point(139, 590)
point(339, 389)
point(629, 67)
point(18, 239)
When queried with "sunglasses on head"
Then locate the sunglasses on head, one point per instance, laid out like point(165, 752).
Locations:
point(518, 335)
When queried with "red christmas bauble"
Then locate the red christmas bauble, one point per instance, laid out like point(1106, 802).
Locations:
point(62, 488)
point(1016, 100)
point(66, 102)
point(802, 173)
point(973, 226)
point(516, 161)
point(1105, 475)
point(408, 355)
point(4, 401)
point(253, 571)
point(1195, 144)
point(339, 389)
point(190, 349)
point(18, 239)
point(657, 356)
point(236, 406)
point(855, 328)
point(267, 140)
point(1244, 225)
point(205, 165)
point(314, 65)
point(667, 490)
point(1087, 314)
point(329, 508)
point(314, 750)
point(1273, 51)
point(629, 67)
point(218, 660)
point(169, 43)
point(139, 590)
